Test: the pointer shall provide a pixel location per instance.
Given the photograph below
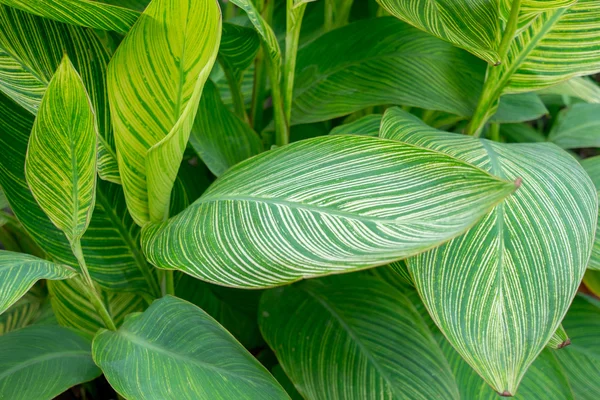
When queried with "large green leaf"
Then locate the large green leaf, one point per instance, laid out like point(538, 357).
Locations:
point(592, 167)
point(354, 337)
point(500, 291)
point(472, 25)
point(110, 245)
point(40, 362)
point(581, 360)
point(220, 137)
point(577, 127)
point(27, 310)
point(581, 88)
point(80, 12)
point(28, 60)
point(201, 360)
point(326, 205)
point(60, 166)
point(18, 273)
point(155, 81)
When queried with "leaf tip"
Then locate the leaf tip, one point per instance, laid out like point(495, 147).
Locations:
point(564, 344)
point(506, 393)
point(518, 182)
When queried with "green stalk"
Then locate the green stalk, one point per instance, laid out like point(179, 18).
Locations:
point(494, 132)
point(169, 283)
point(282, 136)
point(329, 19)
point(259, 91)
point(294, 18)
point(492, 89)
point(91, 291)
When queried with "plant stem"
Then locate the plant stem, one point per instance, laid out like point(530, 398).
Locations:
point(491, 88)
point(329, 7)
point(494, 132)
point(260, 76)
point(169, 283)
point(92, 293)
point(282, 136)
point(294, 18)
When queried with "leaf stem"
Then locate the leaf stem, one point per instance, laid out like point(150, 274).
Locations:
point(169, 283)
point(329, 6)
point(494, 132)
point(492, 89)
point(294, 18)
point(92, 293)
point(260, 76)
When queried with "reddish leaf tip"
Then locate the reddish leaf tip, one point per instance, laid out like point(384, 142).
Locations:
point(518, 182)
point(506, 393)
point(564, 344)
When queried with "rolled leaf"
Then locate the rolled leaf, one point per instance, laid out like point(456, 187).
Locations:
point(202, 359)
point(80, 12)
point(354, 337)
point(41, 362)
point(326, 205)
point(61, 157)
point(592, 167)
point(154, 97)
point(18, 273)
point(499, 292)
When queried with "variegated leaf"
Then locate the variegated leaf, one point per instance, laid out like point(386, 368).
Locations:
point(500, 291)
point(583, 88)
point(155, 81)
point(560, 339)
point(326, 205)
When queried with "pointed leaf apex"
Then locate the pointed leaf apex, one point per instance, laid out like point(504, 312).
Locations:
point(506, 393)
point(564, 344)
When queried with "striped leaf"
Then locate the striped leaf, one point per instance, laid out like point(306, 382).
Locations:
point(367, 126)
point(581, 360)
point(60, 166)
point(500, 291)
point(559, 340)
point(80, 12)
point(577, 127)
point(238, 49)
point(220, 137)
point(28, 61)
point(155, 80)
point(202, 359)
point(73, 309)
point(592, 167)
point(472, 25)
point(21, 314)
point(110, 245)
point(40, 362)
point(322, 206)
point(354, 337)
point(18, 273)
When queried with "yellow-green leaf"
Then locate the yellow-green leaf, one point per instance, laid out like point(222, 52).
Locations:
point(155, 81)
point(61, 157)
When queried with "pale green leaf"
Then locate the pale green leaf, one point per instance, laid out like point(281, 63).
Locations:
point(577, 127)
point(60, 166)
point(472, 25)
point(560, 339)
point(74, 310)
point(220, 137)
point(154, 97)
point(591, 279)
point(500, 291)
point(202, 359)
point(40, 362)
point(88, 13)
point(18, 273)
point(19, 84)
point(326, 205)
point(581, 360)
point(592, 167)
point(518, 108)
point(354, 337)
point(581, 88)
point(367, 126)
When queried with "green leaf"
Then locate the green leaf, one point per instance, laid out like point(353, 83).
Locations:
point(500, 291)
point(20, 314)
point(581, 88)
point(577, 127)
point(220, 137)
point(521, 133)
point(559, 340)
point(322, 206)
point(279, 374)
point(40, 362)
point(471, 25)
point(79, 12)
point(592, 167)
point(238, 48)
point(591, 279)
point(60, 166)
point(367, 126)
point(28, 61)
point(353, 337)
point(74, 310)
point(581, 360)
point(202, 359)
point(154, 98)
point(518, 108)
point(235, 309)
point(18, 273)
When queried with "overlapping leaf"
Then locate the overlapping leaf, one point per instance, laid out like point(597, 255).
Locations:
point(354, 337)
point(560, 339)
point(320, 206)
point(80, 12)
point(577, 127)
point(60, 166)
point(530, 253)
point(202, 359)
point(26, 310)
point(592, 167)
point(582, 88)
point(18, 273)
point(40, 362)
point(155, 81)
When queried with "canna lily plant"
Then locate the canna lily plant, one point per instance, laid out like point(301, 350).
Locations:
point(268, 199)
